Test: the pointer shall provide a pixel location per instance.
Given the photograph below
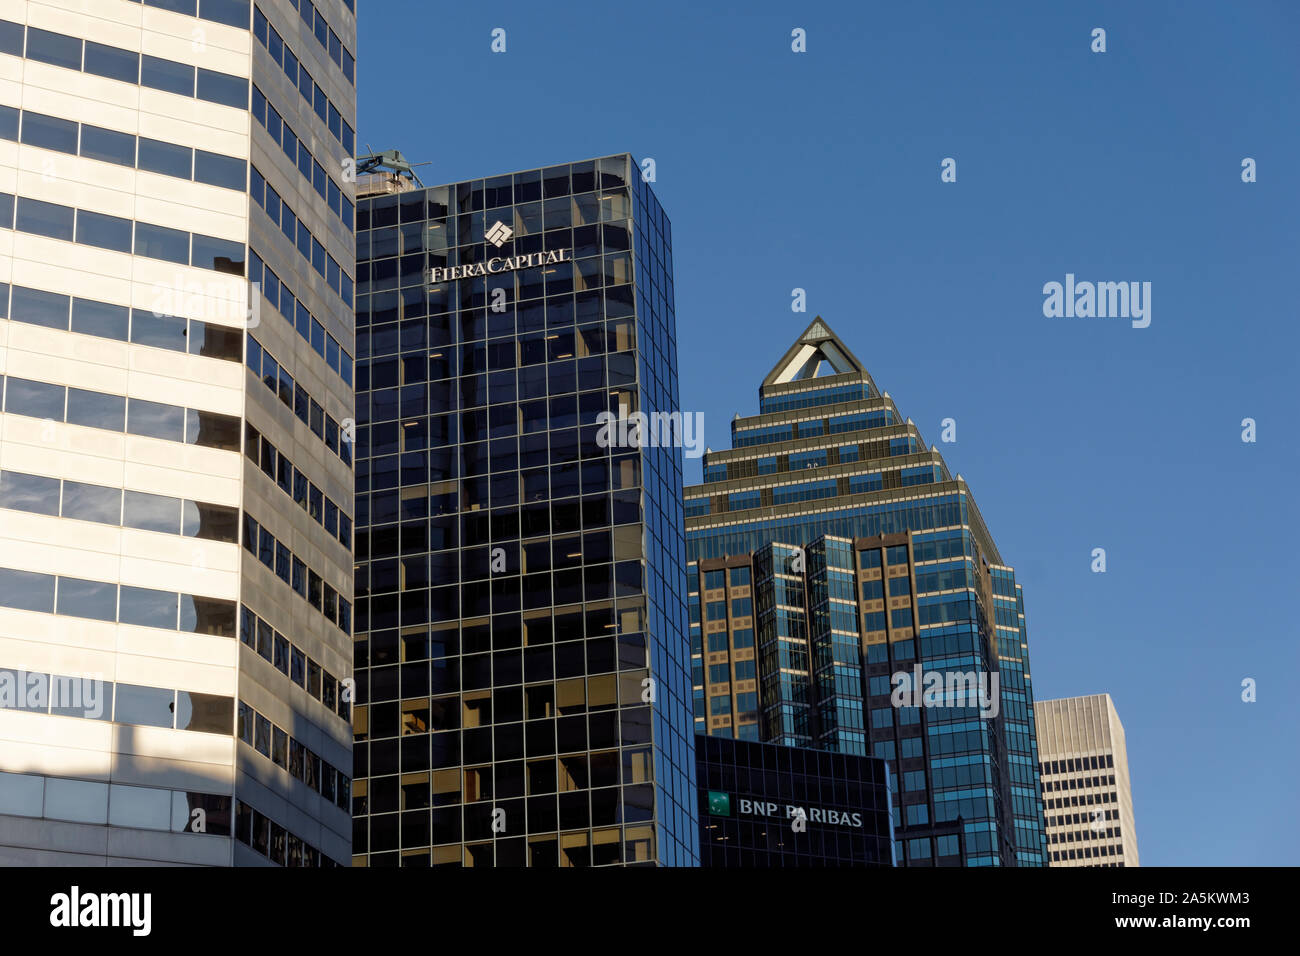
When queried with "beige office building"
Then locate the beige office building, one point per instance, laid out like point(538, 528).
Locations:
point(176, 488)
point(1084, 769)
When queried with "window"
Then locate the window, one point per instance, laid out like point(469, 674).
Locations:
point(215, 341)
point(158, 331)
point(145, 607)
point(233, 13)
point(34, 399)
point(106, 232)
point(222, 255)
point(148, 512)
point(26, 591)
point(150, 706)
point(31, 493)
point(217, 170)
point(166, 75)
point(96, 410)
point(166, 158)
point(205, 713)
point(97, 503)
point(49, 132)
point(96, 600)
point(159, 242)
point(112, 63)
point(11, 38)
point(45, 219)
point(54, 48)
point(39, 308)
point(100, 319)
point(107, 145)
point(155, 420)
point(223, 88)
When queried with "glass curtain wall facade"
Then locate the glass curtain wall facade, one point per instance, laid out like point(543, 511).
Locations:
point(763, 804)
point(176, 333)
point(830, 550)
point(521, 642)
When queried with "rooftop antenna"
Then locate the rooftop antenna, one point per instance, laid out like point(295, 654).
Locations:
point(386, 172)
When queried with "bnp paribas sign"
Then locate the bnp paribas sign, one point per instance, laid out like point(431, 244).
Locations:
point(498, 235)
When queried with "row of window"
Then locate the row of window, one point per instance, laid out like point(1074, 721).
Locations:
point(475, 321)
point(282, 298)
point(105, 320)
point(114, 63)
point(1079, 800)
point(808, 399)
point(767, 434)
point(122, 149)
point(308, 88)
point(287, 566)
point(276, 466)
point(261, 833)
point(317, 25)
point(233, 13)
point(295, 149)
point(302, 321)
point(1084, 836)
point(289, 754)
point(94, 699)
point(116, 234)
point(296, 398)
point(114, 603)
point(65, 498)
point(1080, 764)
point(1088, 853)
point(1067, 819)
point(308, 246)
point(135, 416)
point(1079, 783)
point(114, 804)
point(496, 192)
point(293, 662)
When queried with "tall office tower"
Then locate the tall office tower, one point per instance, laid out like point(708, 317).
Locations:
point(830, 551)
point(1086, 795)
point(175, 496)
point(521, 646)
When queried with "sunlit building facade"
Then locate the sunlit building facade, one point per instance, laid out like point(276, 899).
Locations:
point(830, 550)
point(176, 339)
point(521, 651)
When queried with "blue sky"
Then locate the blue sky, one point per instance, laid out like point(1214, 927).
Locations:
point(821, 171)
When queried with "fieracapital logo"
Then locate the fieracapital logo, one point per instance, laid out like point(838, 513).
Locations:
point(499, 234)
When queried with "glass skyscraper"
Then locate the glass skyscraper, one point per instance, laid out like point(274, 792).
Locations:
point(521, 647)
point(830, 550)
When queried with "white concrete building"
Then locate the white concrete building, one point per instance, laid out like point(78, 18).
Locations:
point(1087, 802)
point(176, 491)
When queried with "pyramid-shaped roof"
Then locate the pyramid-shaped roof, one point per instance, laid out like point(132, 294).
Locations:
point(817, 344)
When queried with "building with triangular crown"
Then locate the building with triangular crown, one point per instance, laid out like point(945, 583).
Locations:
point(830, 552)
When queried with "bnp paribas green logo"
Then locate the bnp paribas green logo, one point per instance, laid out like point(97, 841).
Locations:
point(719, 803)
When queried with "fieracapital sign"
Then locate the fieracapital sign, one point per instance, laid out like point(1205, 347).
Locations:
point(498, 264)
point(498, 235)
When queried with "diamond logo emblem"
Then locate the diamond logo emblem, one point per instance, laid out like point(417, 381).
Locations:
point(499, 234)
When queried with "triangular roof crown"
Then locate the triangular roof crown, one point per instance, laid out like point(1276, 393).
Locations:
point(815, 345)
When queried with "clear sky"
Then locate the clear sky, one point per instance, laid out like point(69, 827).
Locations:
point(821, 170)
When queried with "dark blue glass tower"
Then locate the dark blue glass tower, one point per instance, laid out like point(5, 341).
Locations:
point(522, 651)
point(830, 552)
